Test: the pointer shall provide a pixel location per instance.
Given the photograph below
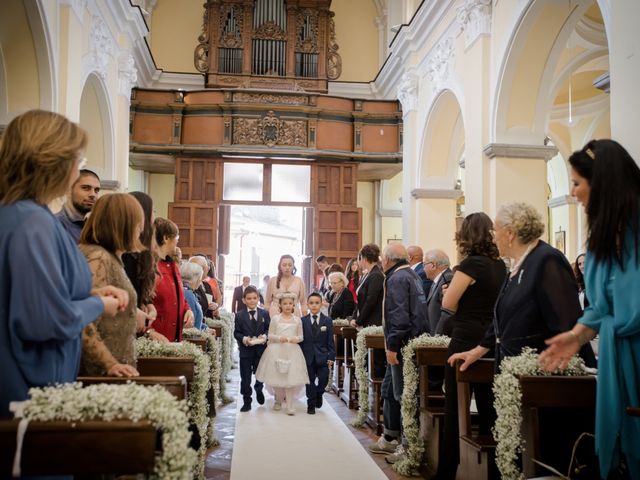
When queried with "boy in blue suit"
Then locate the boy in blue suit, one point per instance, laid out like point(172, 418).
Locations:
point(318, 349)
point(251, 329)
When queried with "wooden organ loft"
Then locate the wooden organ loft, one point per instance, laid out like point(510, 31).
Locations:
point(267, 64)
point(268, 44)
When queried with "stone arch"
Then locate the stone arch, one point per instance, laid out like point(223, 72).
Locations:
point(96, 117)
point(442, 144)
point(527, 73)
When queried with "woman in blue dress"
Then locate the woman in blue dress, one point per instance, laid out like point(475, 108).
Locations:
point(606, 180)
point(45, 284)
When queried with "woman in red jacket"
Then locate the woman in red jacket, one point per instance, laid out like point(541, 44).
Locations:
point(173, 311)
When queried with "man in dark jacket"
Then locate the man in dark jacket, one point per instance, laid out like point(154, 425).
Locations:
point(404, 317)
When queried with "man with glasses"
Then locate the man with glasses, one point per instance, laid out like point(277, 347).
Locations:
point(436, 266)
point(80, 201)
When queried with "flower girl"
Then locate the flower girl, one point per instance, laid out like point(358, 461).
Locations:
point(282, 366)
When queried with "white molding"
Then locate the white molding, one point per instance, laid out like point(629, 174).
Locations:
point(582, 108)
point(474, 19)
point(349, 89)
point(127, 74)
point(102, 47)
point(45, 54)
point(603, 82)
point(436, 193)
point(407, 92)
point(388, 212)
point(561, 201)
point(440, 64)
point(4, 97)
point(537, 152)
point(110, 185)
point(77, 6)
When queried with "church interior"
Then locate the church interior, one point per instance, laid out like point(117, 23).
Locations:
point(314, 127)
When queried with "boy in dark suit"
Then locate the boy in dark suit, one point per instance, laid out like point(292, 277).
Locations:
point(251, 329)
point(318, 349)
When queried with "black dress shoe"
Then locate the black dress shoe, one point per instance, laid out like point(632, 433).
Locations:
point(246, 407)
point(311, 410)
point(260, 397)
point(319, 402)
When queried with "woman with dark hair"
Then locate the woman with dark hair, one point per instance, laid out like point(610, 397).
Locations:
point(142, 266)
point(606, 180)
point(353, 277)
point(368, 310)
point(578, 270)
point(173, 310)
point(286, 281)
point(469, 301)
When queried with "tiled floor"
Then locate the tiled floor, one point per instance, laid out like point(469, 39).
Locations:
point(218, 463)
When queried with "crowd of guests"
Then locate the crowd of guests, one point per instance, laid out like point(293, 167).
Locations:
point(77, 288)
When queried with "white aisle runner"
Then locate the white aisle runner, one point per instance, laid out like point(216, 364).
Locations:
point(274, 445)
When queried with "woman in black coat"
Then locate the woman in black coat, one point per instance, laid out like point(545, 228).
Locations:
point(370, 289)
point(341, 301)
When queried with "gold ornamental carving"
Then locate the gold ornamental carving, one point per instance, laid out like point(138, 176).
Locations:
point(201, 52)
point(270, 131)
point(269, 31)
point(230, 26)
point(307, 31)
point(270, 98)
point(334, 60)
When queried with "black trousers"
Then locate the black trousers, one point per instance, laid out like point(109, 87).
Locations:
point(248, 368)
point(316, 390)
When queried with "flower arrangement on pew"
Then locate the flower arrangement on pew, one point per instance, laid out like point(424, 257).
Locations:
point(409, 403)
point(360, 362)
point(72, 403)
point(508, 405)
point(337, 323)
point(226, 347)
point(197, 396)
point(213, 351)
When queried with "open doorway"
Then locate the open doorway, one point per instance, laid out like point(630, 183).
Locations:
point(259, 235)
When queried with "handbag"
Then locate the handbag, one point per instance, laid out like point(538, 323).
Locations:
point(282, 365)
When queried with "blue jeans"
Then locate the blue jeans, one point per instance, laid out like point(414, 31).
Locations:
point(391, 392)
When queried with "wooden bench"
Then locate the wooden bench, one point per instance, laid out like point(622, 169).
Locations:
point(349, 393)
point(431, 402)
point(477, 452)
point(337, 381)
point(167, 366)
point(80, 448)
point(374, 344)
point(555, 411)
point(200, 342)
point(176, 386)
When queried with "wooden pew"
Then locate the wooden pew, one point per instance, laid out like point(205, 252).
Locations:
point(477, 452)
point(337, 380)
point(633, 411)
point(200, 342)
point(374, 343)
point(176, 386)
point(167, 366)
point(555, 411)
point(349, 394)
point(431, 403)
point(60, 448)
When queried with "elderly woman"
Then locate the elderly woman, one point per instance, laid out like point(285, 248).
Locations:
point(539, 297)
point(45, 283)
point(341, 301)
point(191, 274)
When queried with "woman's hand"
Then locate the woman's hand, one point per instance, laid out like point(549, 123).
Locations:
point(469, 357)
point(111, 305)
point(151, 312)
point(157, 337)
point(122, 370)
point(353, 323)
point(141, 320)
point(188, 319)
point(110, 291)
point(561, 348)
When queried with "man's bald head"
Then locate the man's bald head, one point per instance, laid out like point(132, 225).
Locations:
point(415, 254)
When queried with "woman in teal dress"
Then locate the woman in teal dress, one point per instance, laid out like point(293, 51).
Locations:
point(606, 180)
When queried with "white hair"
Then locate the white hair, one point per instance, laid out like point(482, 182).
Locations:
point(191, 272)
point(339, 276)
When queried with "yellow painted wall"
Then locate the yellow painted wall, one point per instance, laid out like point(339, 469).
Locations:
point(391, 228)
point(136, 181)
point(161, 190)
point(436, 218)
point(366, 201)
point(357, 36)
point(563, 218)
point(175, 26)
point(91, 121)
point(391, 193)
point(21, 66)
